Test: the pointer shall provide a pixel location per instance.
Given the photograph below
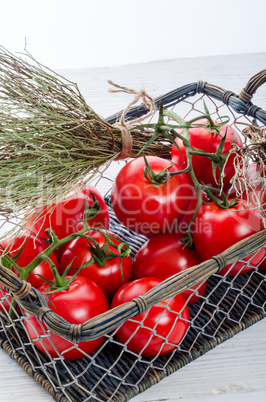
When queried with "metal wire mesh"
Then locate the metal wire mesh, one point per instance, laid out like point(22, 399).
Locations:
point(114, 372)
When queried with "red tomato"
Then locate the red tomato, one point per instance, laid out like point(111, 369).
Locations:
point(108, 277)
point(185, 220)
point(32, 247)
point(163, 256)
point(262, 265)
point(77, 304)
point(203, 139)
point(5, 299)
point(5, 302)
point(35, 230)
point(66, 217)
point(158, 323)
point(217, 229)
point(149, 208)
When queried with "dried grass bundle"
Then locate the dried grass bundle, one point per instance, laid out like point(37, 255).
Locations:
point(50, 138)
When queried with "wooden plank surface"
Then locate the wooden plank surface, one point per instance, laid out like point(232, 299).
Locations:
point(235, 370)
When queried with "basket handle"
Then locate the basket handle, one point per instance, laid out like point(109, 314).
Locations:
point(253, 84)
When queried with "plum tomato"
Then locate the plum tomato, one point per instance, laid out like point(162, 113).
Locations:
point(165, 255)
point(81, 301)
point(167, 320)
point(146, 207)
point(110, 275)
point(202, 138)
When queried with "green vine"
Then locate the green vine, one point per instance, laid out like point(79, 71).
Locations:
point(218, 159)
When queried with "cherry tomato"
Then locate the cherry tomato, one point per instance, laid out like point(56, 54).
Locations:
point(29, 247)
point(217, 229)
point(66, 217)
point(109, 277)
point(203, 139)
point(149, 208)
point(165, 255)
point(159, 323)
point(81, 301)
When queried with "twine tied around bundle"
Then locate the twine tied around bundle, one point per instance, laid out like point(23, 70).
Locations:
point(124, 127)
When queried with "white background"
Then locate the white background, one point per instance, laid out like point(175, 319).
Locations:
point(92, 33)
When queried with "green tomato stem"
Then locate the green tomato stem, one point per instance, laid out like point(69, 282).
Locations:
point(58, 280)
point(187, 239)
point(56, 243)
point(12, 309)
point(13, 263)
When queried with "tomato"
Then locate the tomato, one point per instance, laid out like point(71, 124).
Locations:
point(108, 277)
point(217, 229)
point(159, 323)
point(203, 139)
point(149, 208)
point(30, 247)
point(81, 301)
point(262, 265)
point(5, 299)
point(163, 256)
point(35, 230)
point(66, 217)
point(185, 220)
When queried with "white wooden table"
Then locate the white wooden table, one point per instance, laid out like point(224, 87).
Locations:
point(235, 370)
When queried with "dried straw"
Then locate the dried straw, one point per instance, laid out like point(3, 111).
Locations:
point(50, 138)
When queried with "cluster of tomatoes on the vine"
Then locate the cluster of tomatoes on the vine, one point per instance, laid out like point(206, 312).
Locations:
point(93, 271)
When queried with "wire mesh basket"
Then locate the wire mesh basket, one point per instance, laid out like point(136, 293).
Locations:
point(115, 372)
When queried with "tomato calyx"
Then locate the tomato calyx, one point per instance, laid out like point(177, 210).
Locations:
point(60, 283)
point(156, 178)
point(104, 253)
point(218, 159)
point(211, 126)
point(91, 211)
point(101, 255)
point(223, 203)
